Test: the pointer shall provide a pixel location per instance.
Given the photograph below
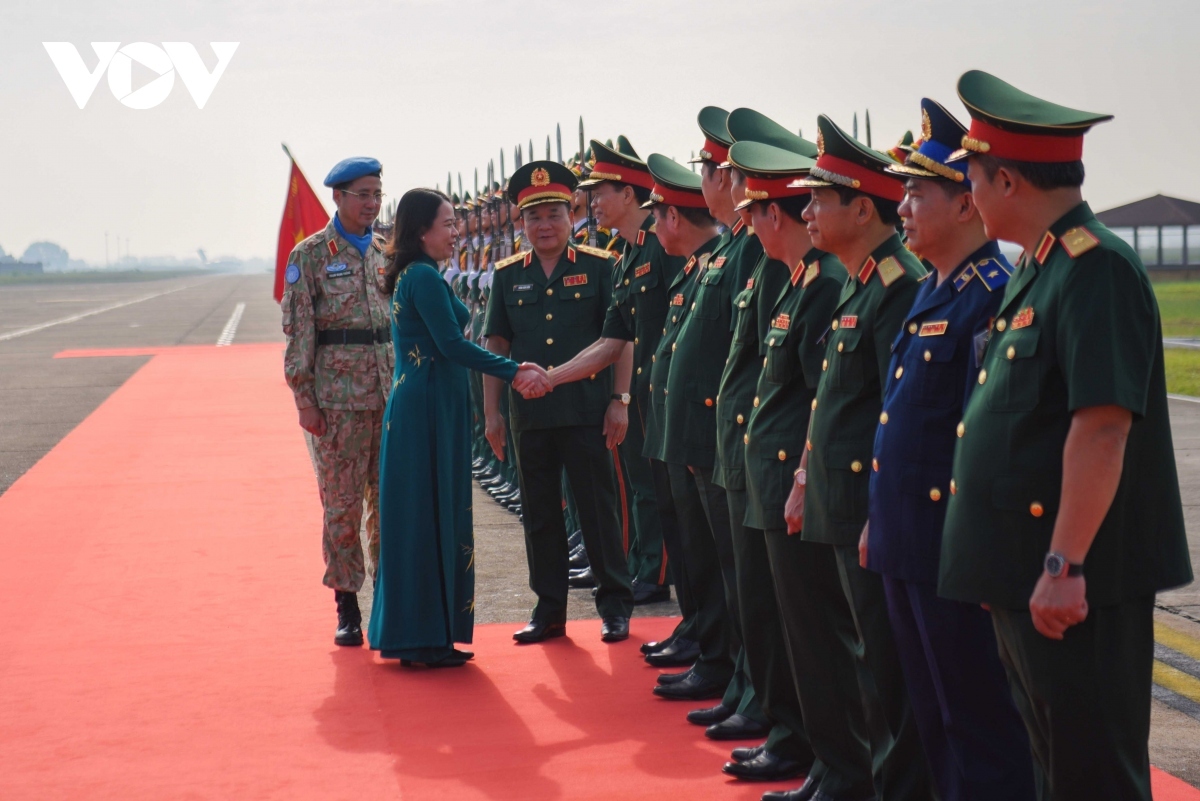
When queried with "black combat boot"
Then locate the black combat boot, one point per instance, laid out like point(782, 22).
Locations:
point(349, 630)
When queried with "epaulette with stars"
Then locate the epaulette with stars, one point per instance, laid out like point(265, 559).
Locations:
point(513, 259)
point(597, 252)
point(991, 272)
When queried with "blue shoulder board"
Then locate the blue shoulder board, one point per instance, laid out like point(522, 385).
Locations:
point(992, 273)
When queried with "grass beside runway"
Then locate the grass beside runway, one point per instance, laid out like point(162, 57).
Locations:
point(1179, 307)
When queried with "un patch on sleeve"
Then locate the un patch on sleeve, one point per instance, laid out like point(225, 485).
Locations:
point(292, 275)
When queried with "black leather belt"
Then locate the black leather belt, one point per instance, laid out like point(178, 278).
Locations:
point(353, 336)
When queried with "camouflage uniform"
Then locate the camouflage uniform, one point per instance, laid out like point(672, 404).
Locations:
point(329, 286)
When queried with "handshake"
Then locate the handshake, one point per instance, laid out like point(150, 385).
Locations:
point(532, 381)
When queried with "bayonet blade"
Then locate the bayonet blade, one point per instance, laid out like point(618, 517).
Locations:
point(558, 141)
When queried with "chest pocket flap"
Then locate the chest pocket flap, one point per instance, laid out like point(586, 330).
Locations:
point(1015, 377)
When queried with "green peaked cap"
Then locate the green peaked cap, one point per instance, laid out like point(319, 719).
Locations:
point(845, 161)
point(617, 164)
point(758, 158)
point(711, 120)
point(748, 125)
point(674, 184)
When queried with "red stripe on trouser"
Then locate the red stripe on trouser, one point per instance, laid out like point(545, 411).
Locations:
point(624, 506)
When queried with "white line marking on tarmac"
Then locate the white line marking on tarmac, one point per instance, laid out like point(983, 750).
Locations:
point(230, 328)
point(20, 332)
point(1187, 398)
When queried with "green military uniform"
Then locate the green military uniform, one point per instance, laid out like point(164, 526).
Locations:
point(330, 287)
point(642, 274)
point(548, 319)
point(837, 608)
point(1078, 327)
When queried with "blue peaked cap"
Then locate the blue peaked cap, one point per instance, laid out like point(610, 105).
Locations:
point(355, 167)
point(941, 135)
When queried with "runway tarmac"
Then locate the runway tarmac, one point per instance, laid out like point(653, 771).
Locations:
point(42, 399)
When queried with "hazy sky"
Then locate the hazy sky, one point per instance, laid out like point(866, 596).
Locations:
point(430, 86)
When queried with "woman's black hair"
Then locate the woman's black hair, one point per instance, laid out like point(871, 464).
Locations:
point(415, 214)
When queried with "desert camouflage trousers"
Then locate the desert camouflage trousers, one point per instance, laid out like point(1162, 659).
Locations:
point(347, 463)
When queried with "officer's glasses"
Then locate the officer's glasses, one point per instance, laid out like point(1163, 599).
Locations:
point(366, 196)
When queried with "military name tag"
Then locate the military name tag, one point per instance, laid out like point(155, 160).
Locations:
point(849, 321)
point(1022, 319)
point(522, 287)
point(638, 272)
point(677, 300)
point(783, 322)
point(935, 329)
point(575, 280)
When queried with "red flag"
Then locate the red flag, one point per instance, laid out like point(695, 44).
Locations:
point(303, 216)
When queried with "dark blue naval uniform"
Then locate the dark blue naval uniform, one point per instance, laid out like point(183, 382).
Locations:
point(973, 736)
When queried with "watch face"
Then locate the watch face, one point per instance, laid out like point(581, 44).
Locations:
point(1055, 565)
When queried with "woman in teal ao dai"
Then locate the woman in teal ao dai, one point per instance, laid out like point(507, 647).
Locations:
point(425, 595)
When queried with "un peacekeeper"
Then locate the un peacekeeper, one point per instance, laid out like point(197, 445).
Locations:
point(338, 363)
point(973, 736)
point(546, 306)
point(1065, 516)
point(774, 422)
point(620, 182)
point(838, 610)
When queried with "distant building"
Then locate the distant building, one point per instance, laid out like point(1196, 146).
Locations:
point(1165, 231)
point(20, 268)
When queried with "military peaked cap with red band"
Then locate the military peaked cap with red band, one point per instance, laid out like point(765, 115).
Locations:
point(716, 136)
point(844, 161)
point(674, 184)
point(1010, 124)
point(620, 164)
point(541, 182)
point(769, 171)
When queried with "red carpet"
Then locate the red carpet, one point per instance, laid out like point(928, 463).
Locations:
point(166, 635)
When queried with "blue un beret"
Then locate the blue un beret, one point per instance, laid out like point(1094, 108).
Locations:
point(348, 169)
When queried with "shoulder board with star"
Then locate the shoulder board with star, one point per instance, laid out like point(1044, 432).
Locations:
point(889, 270)
point(516, 257)
point(991, 274)
point(1078, 241)
point(812, 273)
point(653, 229)
point(599, 253)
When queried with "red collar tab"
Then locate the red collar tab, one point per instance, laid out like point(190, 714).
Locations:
point(641, 237)
point(738, 226)
point(687, 268)
point(570, 254)
point(879, 184)
point(796, 271)
point(867, 269)
point(985, 138)
point(1044, 247)
point(606, 171)
point(333, 248)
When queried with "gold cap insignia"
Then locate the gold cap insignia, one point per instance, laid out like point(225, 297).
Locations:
point(540, 177)
point(926, 126)
point(820, 143)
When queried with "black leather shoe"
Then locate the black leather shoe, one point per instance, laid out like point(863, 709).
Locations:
point(805, 792)
point(496, 480)
point(581, 580)
point(707, 717)
point(575, 538)
point(516, 509)
point(539, 630)
point(614, 628)
point(737, 727)
point(677, 654)
point(656, 645)
point(644, 593)
point(746, 754)
point(349, 627)
point(671, 678)
point(693, 688)
point(766, 767)
point(578, 559)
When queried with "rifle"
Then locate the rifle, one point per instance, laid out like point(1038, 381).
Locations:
point(510, 239)
point(593, 240)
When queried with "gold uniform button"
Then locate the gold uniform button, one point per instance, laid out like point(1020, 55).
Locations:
point(856, 466)
point(962, 429)
point(674, 319)
point(549, 340)
point(664, 331)
point(639, 371)
point(643, 289)
point(549, 291)
point(654, 358)
point(593, 378)
point(982, 376)
point(520, 303)
point(840, 346)
point(693, 304)
point(764, 361)
point(1011, 353)
point(673, 347)
point(883, 418)
point(834, 325)
point(824, 365)
point(576, 296)
point(741, 304)
point(808, 444)
point(626, 282)
point(1036, 509)
point(814, 404)
point(549, 316)
point(665, 392)
point(782, 456)
point(771, 341)
point(953, 487)
point(899, 372)
point(746, 439)
point(740, 419)
point(928, 356)
point(756, 402)
point(875, 465)
point(635, 340)
point(912, 328)
point(633, 311)
point(935, 494)
point(708, 401)
point(1001, 325)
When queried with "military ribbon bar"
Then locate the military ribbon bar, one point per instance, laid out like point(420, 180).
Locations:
point(575, 280)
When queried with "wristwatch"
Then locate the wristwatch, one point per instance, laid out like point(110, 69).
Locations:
point(623, 398)
point(1058, 566)
point(801, 477)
